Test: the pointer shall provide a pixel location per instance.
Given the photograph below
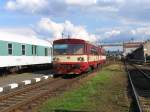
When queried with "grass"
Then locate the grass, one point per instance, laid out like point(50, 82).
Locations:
point(103, 93)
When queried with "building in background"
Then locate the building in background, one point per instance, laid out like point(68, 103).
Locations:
point(146, 49)
point(129, 47)
point(142, 53)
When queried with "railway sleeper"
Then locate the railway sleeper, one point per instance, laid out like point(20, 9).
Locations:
point(30, 96)
point(3, 105)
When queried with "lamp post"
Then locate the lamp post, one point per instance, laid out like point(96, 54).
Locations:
point(145, 55)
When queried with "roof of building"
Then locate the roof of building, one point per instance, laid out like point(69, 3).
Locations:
point(132, 44)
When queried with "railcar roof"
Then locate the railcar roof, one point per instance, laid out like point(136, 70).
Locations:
point(70, 40)
point(73, 40)
point(23, 39)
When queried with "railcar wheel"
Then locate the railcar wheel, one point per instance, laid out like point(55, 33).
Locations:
point(91, 68)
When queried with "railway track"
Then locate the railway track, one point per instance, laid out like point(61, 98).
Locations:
point(140, 84)
point(27, 99)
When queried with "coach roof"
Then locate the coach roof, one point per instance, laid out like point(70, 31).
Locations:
point(23, 39)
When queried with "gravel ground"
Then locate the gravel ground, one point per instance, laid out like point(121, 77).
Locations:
point(146, 67)
point(105, 92)
point(12, 78)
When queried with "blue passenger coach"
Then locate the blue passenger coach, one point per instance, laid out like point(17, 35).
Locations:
point(18, 51)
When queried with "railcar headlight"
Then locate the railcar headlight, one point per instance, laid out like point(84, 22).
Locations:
point(57, 59)
point(80, 59)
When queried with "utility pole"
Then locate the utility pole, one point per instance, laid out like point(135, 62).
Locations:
point(68, 36)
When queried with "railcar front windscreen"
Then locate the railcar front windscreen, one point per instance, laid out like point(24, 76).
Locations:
point(62, 49)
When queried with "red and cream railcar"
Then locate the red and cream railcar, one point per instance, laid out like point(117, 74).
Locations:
point(74, 56)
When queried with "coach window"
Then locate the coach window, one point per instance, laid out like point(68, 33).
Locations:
point(34, 50)
point(46, 52)
point(10, 48)
point(23, 50)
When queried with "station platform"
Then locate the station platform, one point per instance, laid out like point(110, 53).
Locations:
point(16, 78)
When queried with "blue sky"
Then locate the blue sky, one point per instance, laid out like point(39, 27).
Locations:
point(93, 20)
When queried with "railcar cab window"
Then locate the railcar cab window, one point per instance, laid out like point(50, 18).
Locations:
point(60, 49)
point(103, 52)
point(10, 48)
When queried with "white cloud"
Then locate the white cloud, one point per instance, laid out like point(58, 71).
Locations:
point(123, 33)
point(120, 9)
point(26, 32)
point(142, 31)
point(116, 12)
point(56, 29)
point(112, 33)
point(81, 2)
point(63, 6)
point(26, 5)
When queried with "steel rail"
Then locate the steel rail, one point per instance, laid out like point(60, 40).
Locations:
point(26, 88)
point(17, 99)
point(145, 75)
point(136, 96)
point(23, 93)
point(27, 98)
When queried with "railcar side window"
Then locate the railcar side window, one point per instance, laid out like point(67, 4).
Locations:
point(23, 49)
point(94, 51)
point(10, 48)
